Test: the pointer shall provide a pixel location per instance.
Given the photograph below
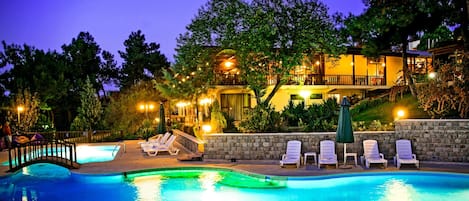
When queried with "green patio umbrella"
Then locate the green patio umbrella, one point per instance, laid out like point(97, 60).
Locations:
point(162, 124)
point(344, 128)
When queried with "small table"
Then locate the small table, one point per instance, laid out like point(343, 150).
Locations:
point(354, 155)
point(313, 154)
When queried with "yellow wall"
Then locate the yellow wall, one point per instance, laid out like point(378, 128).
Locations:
point(343, 66)
point(340, 66)
point(393, 69)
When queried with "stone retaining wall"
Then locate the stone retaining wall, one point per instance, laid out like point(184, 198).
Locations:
point(189, 142)
point(432, 140)
point(437, 140)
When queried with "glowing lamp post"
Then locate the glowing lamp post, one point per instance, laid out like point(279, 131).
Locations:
point(146, 107)
point(400, 113)
point(206, 128)
point(20, 109)
point(432, 75)
point(305, 95)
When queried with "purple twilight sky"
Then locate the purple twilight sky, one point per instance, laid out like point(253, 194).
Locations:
point(48, 24)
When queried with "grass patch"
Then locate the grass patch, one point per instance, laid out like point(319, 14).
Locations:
point(385, 111)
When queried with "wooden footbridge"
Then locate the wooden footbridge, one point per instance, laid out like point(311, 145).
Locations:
point(43, 151)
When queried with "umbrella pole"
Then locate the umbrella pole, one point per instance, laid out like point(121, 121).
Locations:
point(345, 154)
point(344, 166)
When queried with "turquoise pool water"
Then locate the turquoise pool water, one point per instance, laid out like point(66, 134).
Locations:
point(93, 153)
point(50, 182)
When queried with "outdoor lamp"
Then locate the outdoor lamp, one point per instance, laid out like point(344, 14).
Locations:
point(400, 113)
point(206, 128)
point(432, 75)
point(20, 109)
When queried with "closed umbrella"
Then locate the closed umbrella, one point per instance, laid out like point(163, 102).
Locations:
point(344, 128)
point(162, 124)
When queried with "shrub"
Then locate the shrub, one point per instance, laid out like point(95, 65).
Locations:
point(230, 126)
point(218, 120)
point(292, 114)
point(263, 118)
point(365, 104)
point(322, 117)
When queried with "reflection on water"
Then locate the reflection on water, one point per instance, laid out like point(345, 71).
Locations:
point(148, 187)
point(207, 182)
point(50, 182)
point(398, 190)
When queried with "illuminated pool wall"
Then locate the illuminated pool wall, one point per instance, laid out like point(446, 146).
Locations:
point(432, 140)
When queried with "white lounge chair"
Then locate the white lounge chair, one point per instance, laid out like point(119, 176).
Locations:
point(155, 140)
point(327, 153)
point(371, 154)
point(293, 154)
point(167, 146)
point(404, 154)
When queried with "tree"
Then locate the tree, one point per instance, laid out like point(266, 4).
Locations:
point(83, 58)
point(387, 24)
point(142, 61)
point(267, 38)
point(108, 71)
point(41, 72)
point(123, 113)
point(447, 95)
point(89, 112)
point(30, 104)
point(440, 34)
point(217, 120)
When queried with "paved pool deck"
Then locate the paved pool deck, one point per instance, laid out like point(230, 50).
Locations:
point(133, 159)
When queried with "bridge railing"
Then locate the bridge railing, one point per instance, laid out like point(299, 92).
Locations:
point(76, 136)
point(42, 150)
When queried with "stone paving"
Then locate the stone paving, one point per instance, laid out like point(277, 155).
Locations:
point(132, 159)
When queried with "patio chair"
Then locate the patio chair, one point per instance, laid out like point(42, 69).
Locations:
point(155, 140)
point(404, 154)
point(327, 153)
point(371, 154)
point(293, 154)
point(167, 146)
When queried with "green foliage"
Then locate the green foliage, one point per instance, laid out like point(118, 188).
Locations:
point(267, 39)
point(57, 77)
point(230, 126)
point(441, 34)
point(217, 120)
point(123, 113)
point(382, 110)
point(293, 114)
point(30, 114)
point(322, 117)
point(448, 94)
point(140, 59)
point(374, 125)
point(146, 129)
point(89, 113)
point(262, 118)
point(388, 25)
point(193, 72)
point(366, 104)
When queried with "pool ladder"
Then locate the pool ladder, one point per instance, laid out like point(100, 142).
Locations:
point(117, 145)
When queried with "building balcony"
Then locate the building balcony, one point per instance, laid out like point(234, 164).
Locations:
point(316, 79)
point(312, 79)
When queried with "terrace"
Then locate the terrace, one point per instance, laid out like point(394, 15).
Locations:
point(313, 79)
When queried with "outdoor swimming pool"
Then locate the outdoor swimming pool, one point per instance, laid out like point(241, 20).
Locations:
point(50, 182)
point(93, 153)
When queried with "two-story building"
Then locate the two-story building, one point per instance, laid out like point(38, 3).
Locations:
point(320, 78)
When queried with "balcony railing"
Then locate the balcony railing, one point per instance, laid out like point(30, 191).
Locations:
point(229, 79)
point(315, 79)
point(312, 79)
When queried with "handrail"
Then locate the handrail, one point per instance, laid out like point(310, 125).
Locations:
point(54, 151)
point(118, 144)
